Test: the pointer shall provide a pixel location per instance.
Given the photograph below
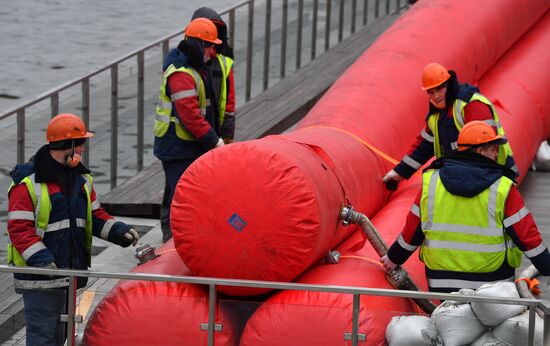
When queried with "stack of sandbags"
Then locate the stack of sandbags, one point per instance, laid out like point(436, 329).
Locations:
point(457, 324)
point(476, 324)
point(412, 331)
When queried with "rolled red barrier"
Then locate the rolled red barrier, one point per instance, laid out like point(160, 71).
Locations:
point(526, 113)
point(158, 313)
point(267, 209)
point(329, 315)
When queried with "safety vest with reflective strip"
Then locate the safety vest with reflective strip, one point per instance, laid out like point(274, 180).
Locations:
point(458, 116)
point(42, 208)
point(164, 114)
point(465, 234)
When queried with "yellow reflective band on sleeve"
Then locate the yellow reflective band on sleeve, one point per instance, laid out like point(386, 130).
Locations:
point(31, 250)
point(536, 251)
point(427, 136)
point(107, 228)
point(21, 215)
point(413, 163)
point(183, 94)
point(406, 245)
point(517, 217)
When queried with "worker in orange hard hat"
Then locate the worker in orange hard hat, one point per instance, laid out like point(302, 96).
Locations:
point(189, 117)
point(451, 106)
point(53, 214)
point(469, 218)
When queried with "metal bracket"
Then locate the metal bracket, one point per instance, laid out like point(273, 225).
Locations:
point(76, 318)
point(218, 327)
point(360, 336)
point(145, 253)
point(332, 257)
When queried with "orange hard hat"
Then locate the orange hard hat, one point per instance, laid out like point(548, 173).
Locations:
point(476, 133)
point(203, 29)
point(66, 126)
point(434, 75)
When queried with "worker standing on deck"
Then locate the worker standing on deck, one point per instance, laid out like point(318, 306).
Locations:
point(469, 218)
point(451, 105)
point(53, 213)
point(196, 106)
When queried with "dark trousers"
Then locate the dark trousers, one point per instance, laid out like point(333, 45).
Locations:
point(43, 310)
point(172, 173)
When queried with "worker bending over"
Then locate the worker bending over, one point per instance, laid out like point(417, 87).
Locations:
point(469, 219)
point(451, 106)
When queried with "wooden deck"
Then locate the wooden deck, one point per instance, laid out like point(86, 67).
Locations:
point(271, 112)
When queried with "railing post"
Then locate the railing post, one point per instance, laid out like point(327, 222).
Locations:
point(365, 12)
point(165, 51)
point(232, 27)
point(86, 116)
point(71, 307)
point(211, 313)
point(314, 28)
point(546, 332)
point(355, 320)
point(353, 14)
point(114, 124)
point(267, 43)
point(284, 26)
point(531, 335)
point(249, 52)
point(341, 21)
point(299, 34)
point(387, 7)
point(21, 135)
point(376, 8)
point(140, 109)
point(54, 103)
point(327, 25)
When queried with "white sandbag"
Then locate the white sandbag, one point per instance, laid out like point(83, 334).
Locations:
point(488, 339)
point(515, 330)
point(492, 314)
point(411, 330)
point(457, 324)
point(542, 158)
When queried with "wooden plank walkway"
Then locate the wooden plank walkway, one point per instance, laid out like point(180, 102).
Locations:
point(271, 112)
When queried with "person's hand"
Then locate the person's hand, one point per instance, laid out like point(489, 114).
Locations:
point(392, 175)
point(220, 143)
point(50, 265)
point(132, 236)
point(392, 179)
point(389, 266)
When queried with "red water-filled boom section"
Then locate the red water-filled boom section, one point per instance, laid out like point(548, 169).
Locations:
point(268, 209)
point(160, 313)
point(526, 112)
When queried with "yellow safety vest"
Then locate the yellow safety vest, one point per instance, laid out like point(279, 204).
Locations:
point(164, 105)
point(42, 208)
point(458, 116)
point(465, 234)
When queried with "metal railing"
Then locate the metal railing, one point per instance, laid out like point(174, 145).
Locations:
point(290, 22)
point(212, 283)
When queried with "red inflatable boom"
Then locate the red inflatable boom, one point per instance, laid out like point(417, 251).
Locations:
point(268, 209)
point(525, 109)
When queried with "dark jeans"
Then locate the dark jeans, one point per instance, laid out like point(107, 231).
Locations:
point(172, 173)
point(42, 316)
